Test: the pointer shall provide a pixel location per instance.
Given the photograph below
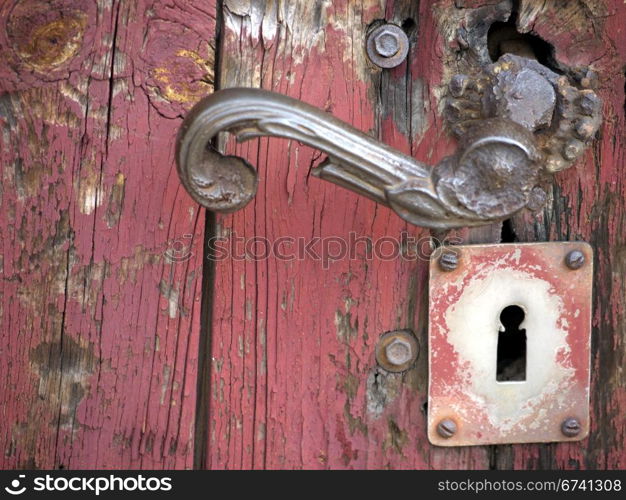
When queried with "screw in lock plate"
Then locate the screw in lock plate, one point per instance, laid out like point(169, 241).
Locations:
point(399, 352)
point(575, 259)
point(449, 260)
point(571, 427)
point(446, 428)
point(396, 351)
point(387, 46)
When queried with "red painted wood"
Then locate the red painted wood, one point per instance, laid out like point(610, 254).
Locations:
point(294, 382)
point(589, 205)
point(100, 328)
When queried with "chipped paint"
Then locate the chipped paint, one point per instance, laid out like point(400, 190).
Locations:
point(346, 328)
point(100, 372)
point(171, 293)
point(64, 380)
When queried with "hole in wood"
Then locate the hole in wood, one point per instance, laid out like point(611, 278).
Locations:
point(504, 38)
point(511, 360)
point(507, 234)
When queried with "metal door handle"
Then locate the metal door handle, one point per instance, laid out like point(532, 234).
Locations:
point(516, 122)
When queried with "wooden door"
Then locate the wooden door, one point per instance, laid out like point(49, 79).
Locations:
point(101, 247)
point(121, 349)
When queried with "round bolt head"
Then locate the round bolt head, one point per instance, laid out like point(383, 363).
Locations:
point(585, 128)
point(387, 46)
point(458, 85)
point(589, 102)
point(396, 351)
point(571, 427)
point(536, 199)
point(446, 428)
point(575, 259)
point(526, 97)
point(589, 80)
point(573, 149)
point(449, 260)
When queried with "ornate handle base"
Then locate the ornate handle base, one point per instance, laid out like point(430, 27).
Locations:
point(489, 179)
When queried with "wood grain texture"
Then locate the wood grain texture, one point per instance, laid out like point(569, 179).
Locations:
point(101, 260)
point(588, 203)
point(101, 247)
point(293, 380)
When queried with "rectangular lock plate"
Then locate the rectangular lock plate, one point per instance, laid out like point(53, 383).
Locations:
point(509, 335)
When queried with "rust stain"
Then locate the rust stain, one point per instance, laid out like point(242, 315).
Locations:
point(354, 423)
point(350, 385)
point(347, 452)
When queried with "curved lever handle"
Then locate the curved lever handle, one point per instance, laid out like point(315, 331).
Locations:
point(488, 179)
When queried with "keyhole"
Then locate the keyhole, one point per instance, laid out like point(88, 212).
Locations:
point(511, 363)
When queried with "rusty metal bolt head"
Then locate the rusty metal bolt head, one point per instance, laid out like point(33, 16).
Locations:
point(524, 96)
point(575, 259)
point(573, 149)
point(446, 428)
point(589, 102)
point(536, 199)
point(458, 85)
point(449, 260)
point(387, 46)
point(589, 80)
point(396, 351)
point(571, 427)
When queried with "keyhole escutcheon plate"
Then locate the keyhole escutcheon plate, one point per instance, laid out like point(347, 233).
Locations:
point(546, 397)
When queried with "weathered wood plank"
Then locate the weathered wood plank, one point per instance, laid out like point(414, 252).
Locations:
point(101, 248)
point(100, 329)
point(589, 203)
point(294, 382)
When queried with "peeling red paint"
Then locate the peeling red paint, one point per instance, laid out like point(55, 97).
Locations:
point(90, 204)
